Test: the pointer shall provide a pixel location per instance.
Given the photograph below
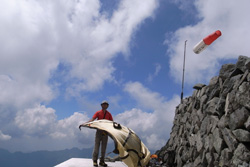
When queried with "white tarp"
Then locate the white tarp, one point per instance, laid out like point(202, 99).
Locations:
point(127, 144)
point(84, 162)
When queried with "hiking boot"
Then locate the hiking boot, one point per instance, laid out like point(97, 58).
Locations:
point(102, 163)
point(95, 163)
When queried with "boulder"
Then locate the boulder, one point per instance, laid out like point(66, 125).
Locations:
point(242, 135)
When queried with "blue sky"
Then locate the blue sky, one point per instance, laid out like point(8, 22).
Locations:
point(60, 59)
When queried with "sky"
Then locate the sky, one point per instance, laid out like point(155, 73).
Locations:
point(60, 59)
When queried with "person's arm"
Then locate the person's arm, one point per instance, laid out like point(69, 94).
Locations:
point(92, 119)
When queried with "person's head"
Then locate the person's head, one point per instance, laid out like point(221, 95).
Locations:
point(104, 104)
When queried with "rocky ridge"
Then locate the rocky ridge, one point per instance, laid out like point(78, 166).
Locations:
point(212, 127)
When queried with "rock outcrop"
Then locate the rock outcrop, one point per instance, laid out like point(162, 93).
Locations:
point(212, 127)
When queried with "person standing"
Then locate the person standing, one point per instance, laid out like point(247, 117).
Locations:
point(101, 136)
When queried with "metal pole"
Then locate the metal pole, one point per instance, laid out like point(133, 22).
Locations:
point(183, 71)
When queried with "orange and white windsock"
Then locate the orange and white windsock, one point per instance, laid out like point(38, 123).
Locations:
point(205, 42)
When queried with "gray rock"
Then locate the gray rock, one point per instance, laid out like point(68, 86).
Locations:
point(228, 103)
point(218, 142)
point(212, 106)
point(214, 80)
point(238, 118)
point(229, 138)
point(242, 135)
point(223, 122)
point(209, 160)
point(199, 143)
point(226, 155)
point(229, 84)
point(215, 92)
point(239, 82)
point(247, 124)
point(242, 61)
point(204, 126)
point(213, 123)
point(237, 71)
point(212, 127)
point(247, 64)
point(226, 70)
point(242, 153)
point(243, 95)
point(248, 77)
point(197, 161)
point(198, 86)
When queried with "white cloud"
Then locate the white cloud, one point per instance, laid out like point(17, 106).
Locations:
point(227, 16)
point(153, 125)
point(39, 124)
point(156, 72)
point(37, 121)
point(4, 137)
point(37, 37)
point(73, 33)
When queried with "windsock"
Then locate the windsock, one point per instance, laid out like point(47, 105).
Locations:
point(205, 42)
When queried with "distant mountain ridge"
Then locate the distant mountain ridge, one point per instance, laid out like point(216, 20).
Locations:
point(41, 158)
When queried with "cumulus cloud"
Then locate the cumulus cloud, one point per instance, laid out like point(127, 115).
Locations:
point(153, 118)
point(46, 40)
point(72, 33)
point(227, 16)
point(39, 125)
point(4, 137)
point(36, 121)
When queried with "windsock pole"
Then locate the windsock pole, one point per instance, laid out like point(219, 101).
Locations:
point(183, 70)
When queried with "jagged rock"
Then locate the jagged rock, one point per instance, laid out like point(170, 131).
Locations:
point(237, 71)
point(214, 92)
point(242, 135)
point(229, 84)
point(218, 142)
point(213, 123)
point(208, 145)
point(211, 109)
point(199, 143)
point(247, 64)
point(197, 162)
point(243, 78)
point(204, 126)
point(229, 138)
point(214, 80)
point(212, 127)
point(238, 118)
point(209, 160)
point(247, 124)
point(228, 104)
point(243, 95)
point(226, 154)
point(241, 63)
point(226, 70)
point(223, 122)
point(198, 86)
point(242, 153)
point(221, 106)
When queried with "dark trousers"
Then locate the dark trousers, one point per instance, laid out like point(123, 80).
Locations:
point(100, 138)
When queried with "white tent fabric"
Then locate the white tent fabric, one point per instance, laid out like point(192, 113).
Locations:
point(129, 146)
